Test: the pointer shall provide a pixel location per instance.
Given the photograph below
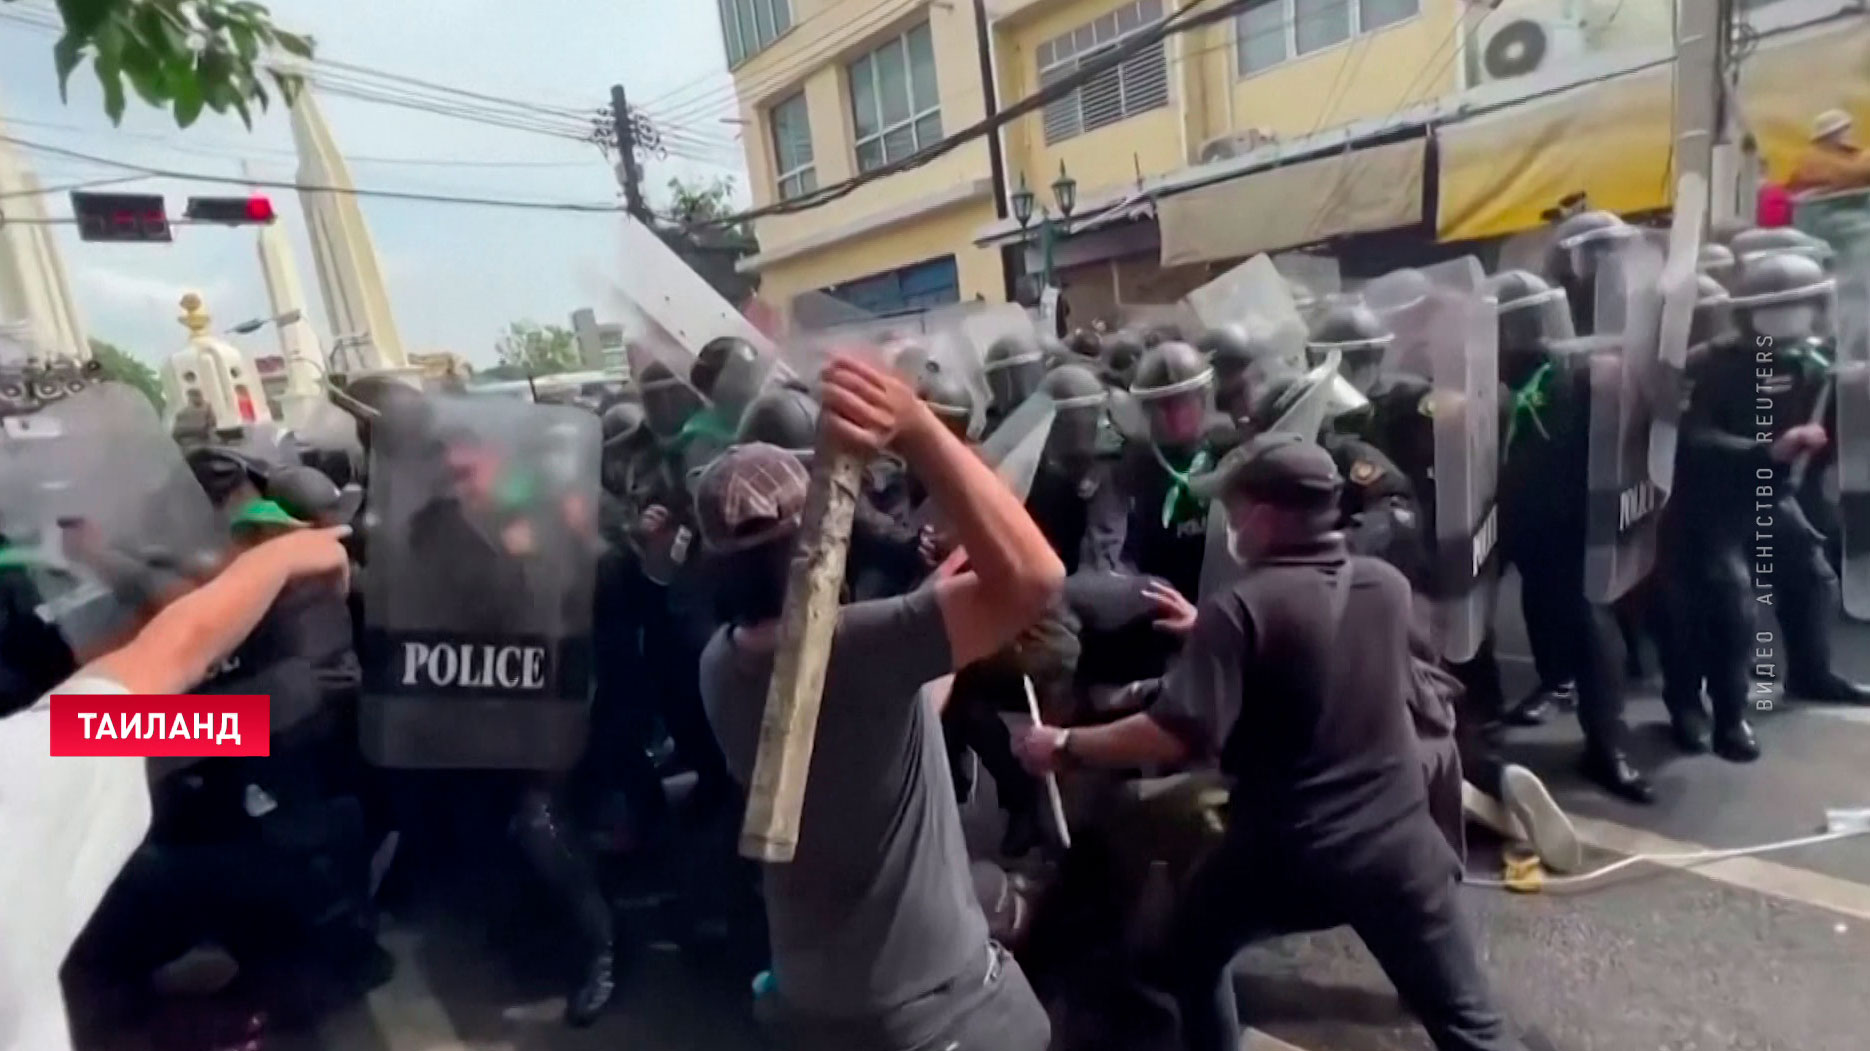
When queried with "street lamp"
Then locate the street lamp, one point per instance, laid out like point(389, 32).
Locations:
point(1065, 197)
point(248, 328)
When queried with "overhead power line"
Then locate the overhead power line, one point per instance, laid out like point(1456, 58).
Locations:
point(1198, 13)
point(278, 184)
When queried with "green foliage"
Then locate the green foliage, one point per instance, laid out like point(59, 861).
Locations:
point(531, 349)
point(120, 366)
point(710, 250)
point(180, 55)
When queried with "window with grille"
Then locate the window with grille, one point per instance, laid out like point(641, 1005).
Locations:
point(1275, 31)
point(792, 148)
point(749, 27)
point(1136, 85)
point(895, 102)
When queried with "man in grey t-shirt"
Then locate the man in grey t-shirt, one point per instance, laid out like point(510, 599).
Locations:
point(878, 941)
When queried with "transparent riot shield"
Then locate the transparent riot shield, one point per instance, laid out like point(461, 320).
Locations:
point(1321, 393)
point(478, 592)
point(1255, 296)
point(1407, 302)
point(100, 516)
point(1679, 291)
point(1623, 504)
point(1467, 468)
point(1851, 394)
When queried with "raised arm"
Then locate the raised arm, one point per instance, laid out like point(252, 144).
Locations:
point(178, 646)
point(1014, 572)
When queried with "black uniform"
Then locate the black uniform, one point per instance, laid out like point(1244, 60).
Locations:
point(1329, 822)
point(1736, 507)
point(1543, 479)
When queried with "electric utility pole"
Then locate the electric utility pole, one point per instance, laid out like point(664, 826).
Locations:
point(1710, 139)
point(629, 172)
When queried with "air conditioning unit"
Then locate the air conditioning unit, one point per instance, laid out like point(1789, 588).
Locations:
point(1521, 39)
point(1227, 147)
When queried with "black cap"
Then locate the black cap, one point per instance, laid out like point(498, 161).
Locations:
point(1279, 468)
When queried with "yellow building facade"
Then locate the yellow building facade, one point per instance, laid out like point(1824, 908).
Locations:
point(1280, 70)
point(844, 87)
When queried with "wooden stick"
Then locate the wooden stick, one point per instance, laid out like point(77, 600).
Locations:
point(789, 727)
point(1051, 780)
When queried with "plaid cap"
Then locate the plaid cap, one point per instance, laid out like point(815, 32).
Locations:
point(750, 494)
point(1280, 468)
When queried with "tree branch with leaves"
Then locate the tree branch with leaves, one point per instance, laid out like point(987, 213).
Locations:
point(183, 56)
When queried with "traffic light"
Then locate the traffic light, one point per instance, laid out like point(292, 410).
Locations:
point(231, 211)
point(120, 217)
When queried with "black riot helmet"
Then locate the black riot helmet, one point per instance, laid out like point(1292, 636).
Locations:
point(1577, 245)
point(1015, 364)
point(392, 410)
point(621, 422)
point(1121, 355)
point(1714, 314)
point(1785, 296)
point(786, 416)
point(1175, 385)
point(1238, 359)
point(714, 358)
point(1533, 312)
point(947, 395)
point(1168, 369)
point(1166, 332)
point(308, 495)
point(668, 401)
point(1085, 347)
point(1749, 246)
point(1080, 397)
point(1351, 328)
point(1229, 349)
point(1716, 261)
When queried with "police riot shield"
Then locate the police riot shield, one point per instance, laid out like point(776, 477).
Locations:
point(1466, 427)
point(1321, 391)
point(1255, 296)
point(478, 593)
point(1409, 304)
point(100, 517)
point(1846, 221)
point(1665, 386)
point(1623, 504)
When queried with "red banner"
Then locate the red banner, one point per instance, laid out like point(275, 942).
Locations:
point(180, 725)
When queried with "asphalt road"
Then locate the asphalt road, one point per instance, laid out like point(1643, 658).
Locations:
point(1756, 954)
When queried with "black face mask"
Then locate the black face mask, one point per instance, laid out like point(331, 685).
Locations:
point(752, 583)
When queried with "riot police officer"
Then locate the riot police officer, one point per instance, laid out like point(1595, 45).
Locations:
point(1357, 334)
point(1239, 361)
point(1542, 507)
point(1167, 531)
point(1014, 364)
point(1074, 498)
point(1735, 508)
point(1121, 353)
point(1578, 245)
point(953, 403)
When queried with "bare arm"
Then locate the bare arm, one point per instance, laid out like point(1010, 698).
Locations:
point(1133, 741)
point(176, 648)
point(1015, 573)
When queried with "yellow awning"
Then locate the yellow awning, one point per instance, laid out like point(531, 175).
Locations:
point(1611, 140)
point(1379, 188)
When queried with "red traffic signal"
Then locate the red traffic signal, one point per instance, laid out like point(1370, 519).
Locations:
point(135, 218)
point(231, 211)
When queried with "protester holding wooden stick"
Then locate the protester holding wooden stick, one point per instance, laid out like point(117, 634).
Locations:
point(878, 940)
